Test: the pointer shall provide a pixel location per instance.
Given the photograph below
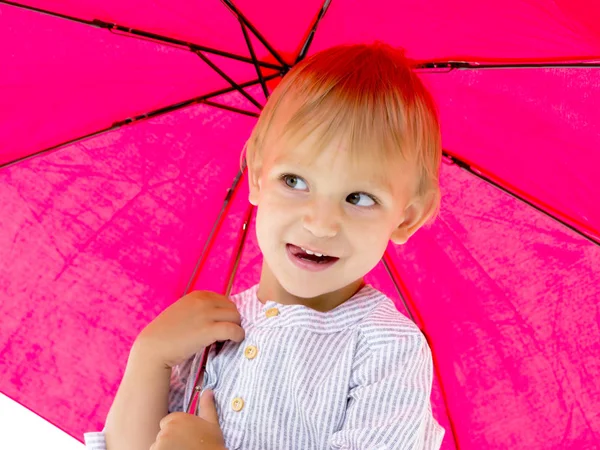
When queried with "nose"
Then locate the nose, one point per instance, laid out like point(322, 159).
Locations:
point(322, 218)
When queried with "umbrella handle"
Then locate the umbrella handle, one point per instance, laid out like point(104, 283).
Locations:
point(194, 403)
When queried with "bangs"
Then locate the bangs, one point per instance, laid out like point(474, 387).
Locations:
point(361, 128)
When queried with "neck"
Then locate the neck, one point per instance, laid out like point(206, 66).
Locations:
point(270, 289)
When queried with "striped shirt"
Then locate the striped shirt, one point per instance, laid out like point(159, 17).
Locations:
point(356, 377)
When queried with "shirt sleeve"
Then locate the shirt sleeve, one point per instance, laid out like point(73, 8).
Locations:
point(179, 390)
point(95, 440)
point(389, 406)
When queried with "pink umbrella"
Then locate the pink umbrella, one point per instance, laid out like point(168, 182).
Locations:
point(121, 126)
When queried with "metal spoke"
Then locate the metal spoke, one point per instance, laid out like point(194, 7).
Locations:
point(405, 297)
point(472, 65)
point(236, 12)
point(253, 55)
point(145, 35)
point(148, 115)
point(231, 108)
point(395, 282)
point(215, 228)
point(312, 31)
point(227, 78)
point(473, 170)
point(240, 248)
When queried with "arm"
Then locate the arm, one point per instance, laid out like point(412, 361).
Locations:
point(140, 404)
point(131, 393)
point(389, 400)
point(96, 440)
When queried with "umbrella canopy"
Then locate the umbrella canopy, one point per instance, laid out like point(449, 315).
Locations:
point(121, 126)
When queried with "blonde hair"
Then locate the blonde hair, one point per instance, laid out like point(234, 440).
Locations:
point(369, 95)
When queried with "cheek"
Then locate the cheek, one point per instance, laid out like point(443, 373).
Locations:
point(264, 230)
point(370, 237)
point(278, 206)
point(272, 217)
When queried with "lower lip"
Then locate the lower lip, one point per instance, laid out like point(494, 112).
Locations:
point(308, 265)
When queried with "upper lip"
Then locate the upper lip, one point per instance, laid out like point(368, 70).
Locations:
point(315, 250)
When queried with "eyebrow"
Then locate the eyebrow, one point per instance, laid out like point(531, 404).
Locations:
point(379, 190)
point(380, 182)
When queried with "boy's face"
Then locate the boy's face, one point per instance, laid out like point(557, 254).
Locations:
point(335, 205)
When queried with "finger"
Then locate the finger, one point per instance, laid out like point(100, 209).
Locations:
point(226, 331)
point(208, 410)
point(214, 299)
point(168, 419)
point(225, 302)
point(225, 315)
point(164, 421)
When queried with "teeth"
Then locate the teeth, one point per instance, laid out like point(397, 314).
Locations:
point(312, 253)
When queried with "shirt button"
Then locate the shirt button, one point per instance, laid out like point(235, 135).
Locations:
point(237, 404)
point(272, 312)
point(251, 352)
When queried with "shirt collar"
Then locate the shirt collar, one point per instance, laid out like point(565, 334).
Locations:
point(272, 314)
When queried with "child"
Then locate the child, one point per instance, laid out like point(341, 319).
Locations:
point(344, 158)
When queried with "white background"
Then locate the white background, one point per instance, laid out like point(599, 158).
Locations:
point(20, 429)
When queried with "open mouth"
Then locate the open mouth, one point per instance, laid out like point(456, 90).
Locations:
point(309, 259)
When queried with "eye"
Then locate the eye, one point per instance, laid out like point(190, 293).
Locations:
point(361, 199)
point(294, 182)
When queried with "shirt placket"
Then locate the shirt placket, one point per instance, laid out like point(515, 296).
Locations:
point(241, 401)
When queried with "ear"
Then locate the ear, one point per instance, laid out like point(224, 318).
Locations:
point(254, 183)
point(415, 216)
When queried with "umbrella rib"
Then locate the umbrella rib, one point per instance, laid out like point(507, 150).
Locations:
point(226, 77)
point(230, 108)
point(395, 277)
point(399, 291)
point(151, 114)
point(470, 65)
point(253, 55)
point(240, 247)
point(236, 12)
point(473, 170)
point(145, 35)
point(215, 228)
point(312, 31)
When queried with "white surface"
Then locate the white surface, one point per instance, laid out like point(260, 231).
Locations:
point(20, 429)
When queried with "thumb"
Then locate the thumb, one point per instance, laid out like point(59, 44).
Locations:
point(208, 410)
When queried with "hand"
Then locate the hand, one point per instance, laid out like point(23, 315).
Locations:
point(182, 431)
point(192, 323)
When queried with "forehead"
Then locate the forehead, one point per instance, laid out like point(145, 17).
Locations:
point(335, 158)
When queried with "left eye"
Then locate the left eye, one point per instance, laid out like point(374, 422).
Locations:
point(360, 199)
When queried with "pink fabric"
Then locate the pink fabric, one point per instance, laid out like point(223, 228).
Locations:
point(97, 237)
